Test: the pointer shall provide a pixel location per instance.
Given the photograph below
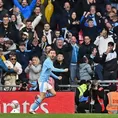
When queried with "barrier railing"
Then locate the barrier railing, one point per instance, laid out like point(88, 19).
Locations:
point(104, 83)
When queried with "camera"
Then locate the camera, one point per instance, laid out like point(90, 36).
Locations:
point(94, 84)
point(24, 84)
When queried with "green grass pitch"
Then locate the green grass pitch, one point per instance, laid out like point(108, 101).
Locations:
point(58, 116)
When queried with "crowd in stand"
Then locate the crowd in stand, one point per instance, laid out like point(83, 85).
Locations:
point(84, 34)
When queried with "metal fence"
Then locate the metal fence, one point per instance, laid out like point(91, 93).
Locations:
point(103, 83)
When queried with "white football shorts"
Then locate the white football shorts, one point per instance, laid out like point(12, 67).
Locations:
point(44, 86)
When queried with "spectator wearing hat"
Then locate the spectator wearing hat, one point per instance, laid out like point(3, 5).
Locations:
point(23, 57)
point(25, 38)
point(28, 29)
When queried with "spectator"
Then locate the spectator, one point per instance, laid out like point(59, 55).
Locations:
point(2, 10)
point(85, 70)
point(28, 29)
point(73, 26)
point(2, 39)
point(63, 46)
point(2, 65)
point(35, 48)
point(33, 69)
point(74, 60)
point(9, 46)
point(85, 48)
point(104, 38)
point(24, 8)
point(39, 25)
point(108, 9)
point(48, 33)
point(45, 53)
point(56, 35)
point(43, 43)
point(89, 30)
point(96, 63)
point(9, 30)
point(23, 57)
point(10, 78)
point(61, 63)
point(110, 63)
point(25, 38)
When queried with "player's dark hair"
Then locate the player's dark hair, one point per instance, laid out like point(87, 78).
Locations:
point(51, 50)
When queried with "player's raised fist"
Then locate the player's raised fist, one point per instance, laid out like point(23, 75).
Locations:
point(60, 77)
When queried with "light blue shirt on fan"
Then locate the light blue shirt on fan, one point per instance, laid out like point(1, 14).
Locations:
point(75, 53)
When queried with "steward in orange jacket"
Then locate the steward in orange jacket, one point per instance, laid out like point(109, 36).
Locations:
point(112, 106)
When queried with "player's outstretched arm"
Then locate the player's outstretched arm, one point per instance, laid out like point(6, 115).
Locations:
point(59, 70)
point(55, 76)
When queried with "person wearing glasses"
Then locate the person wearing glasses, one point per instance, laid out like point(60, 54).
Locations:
point(10, 78)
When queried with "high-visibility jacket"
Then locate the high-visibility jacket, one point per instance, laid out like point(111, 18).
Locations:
point(112, 107)
point(100, 100)
point(82, 88)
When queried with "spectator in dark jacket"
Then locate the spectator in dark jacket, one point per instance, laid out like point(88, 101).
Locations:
point(90, 30)
point(23, 57)
point(73, 26)
point(2, 10)
point(110, 63)
point(35, 49)
point(86, 47)
point(61, 63)
point(9, 30)
point(63, 46)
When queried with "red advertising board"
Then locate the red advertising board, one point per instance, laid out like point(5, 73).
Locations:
point(63, 102)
